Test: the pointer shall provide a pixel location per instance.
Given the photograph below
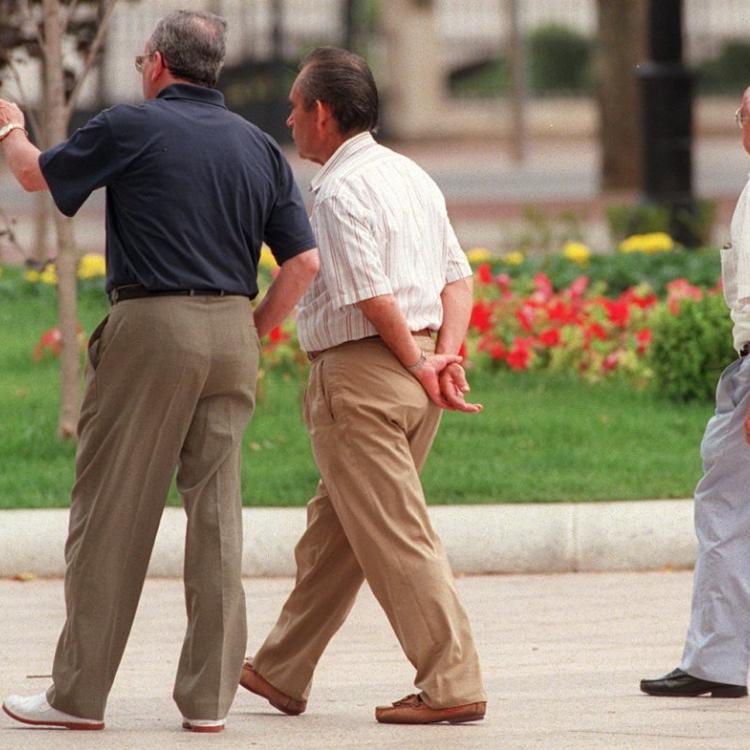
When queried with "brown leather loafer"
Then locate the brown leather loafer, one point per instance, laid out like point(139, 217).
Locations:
point(413, 710)
point(252, 681)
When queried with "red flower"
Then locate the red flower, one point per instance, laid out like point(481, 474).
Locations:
point(550, 337)
point(497, 350)
point(610, 362)
point(525, 317)
point(50, 341)
point(578, 287)
point(633, 298)
point(561, 313)
point(481, 317)
point(618, 312)
point(543, 286)
point(518, 357)
point(503, 281)
point(595, 331)
point(683, 289)
point(277, 335)
point(462, 349)
point(643, 337)
point(484, 273)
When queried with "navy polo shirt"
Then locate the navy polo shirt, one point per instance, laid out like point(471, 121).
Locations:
point(192, 192)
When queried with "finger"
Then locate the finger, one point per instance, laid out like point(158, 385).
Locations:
point(438, 400)
point(431, 386)
point(468, 408)
point(457, 402)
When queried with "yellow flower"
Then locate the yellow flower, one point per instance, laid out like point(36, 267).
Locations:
point(576, 252)
point(513, 259)
point(49, 274)
point(266, 257)
point(478, 255)
point(31, 276)
point(652, 242)
point(91, 266)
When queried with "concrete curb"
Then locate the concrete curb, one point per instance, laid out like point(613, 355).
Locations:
point(523, 538)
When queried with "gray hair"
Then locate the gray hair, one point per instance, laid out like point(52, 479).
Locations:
point(192, 44)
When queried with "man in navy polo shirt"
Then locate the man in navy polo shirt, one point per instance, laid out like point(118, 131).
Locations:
point(192, 192)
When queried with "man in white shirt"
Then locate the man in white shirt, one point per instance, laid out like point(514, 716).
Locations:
point(717, 648)
point(392, 276)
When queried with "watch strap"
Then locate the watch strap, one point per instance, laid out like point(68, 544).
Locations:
point(6, 130)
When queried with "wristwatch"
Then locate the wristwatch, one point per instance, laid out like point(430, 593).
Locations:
point(6, 130)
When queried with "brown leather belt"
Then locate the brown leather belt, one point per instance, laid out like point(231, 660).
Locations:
point(314, 355)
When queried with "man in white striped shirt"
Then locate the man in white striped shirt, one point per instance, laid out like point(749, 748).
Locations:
point(392, 276)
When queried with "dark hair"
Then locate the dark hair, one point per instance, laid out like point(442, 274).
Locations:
point(193, 45)
point(343, 81)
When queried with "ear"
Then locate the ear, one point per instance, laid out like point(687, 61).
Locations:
point(159, 65)
point(323, 115)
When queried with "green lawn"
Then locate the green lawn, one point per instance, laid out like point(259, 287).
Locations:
point(539, 438)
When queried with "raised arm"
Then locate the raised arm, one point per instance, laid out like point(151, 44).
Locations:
point(22, 156)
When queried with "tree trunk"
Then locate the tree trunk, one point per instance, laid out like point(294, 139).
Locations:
point(66, 254)
point(415, 80)
point(40, 253)
point(622, 46)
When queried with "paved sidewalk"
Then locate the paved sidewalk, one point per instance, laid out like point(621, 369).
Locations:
point(562, 656)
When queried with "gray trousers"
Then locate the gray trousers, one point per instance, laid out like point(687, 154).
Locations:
point(718, 640)
point(170, 384)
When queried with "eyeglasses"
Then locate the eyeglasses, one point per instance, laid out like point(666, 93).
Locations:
point(740, 118)
point(140, 59)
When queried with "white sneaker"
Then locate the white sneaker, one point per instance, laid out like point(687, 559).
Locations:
point(34, 709)
point(203, 725)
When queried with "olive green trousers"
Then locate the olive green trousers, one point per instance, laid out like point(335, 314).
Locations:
point(170, 385)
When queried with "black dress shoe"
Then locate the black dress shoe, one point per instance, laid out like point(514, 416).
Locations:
point(679, 684)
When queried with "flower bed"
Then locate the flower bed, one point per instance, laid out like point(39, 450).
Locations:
point(574, 312)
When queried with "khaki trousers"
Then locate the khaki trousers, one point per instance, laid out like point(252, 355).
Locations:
point(372, 427)
point(170, 384)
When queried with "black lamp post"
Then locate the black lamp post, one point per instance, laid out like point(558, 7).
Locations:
point(667, 111)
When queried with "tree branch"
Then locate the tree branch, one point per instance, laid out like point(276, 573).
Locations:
point(7, 231)
point(32, 20)
point(96, 46)
point(69, 15)
point(25, 100)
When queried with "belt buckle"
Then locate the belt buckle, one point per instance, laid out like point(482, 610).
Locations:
point(114, 296)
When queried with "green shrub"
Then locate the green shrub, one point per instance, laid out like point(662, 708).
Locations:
point(485, 79)
point(618, 271)
point(690, 348)
point(560, 59)
point(728, 71)
point(627, 219)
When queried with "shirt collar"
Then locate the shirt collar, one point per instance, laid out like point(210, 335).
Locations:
point(192, 91)
point(347, 149)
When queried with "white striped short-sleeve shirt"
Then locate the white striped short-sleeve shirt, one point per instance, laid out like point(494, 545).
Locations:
point(735, 270)
point(382, 228)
